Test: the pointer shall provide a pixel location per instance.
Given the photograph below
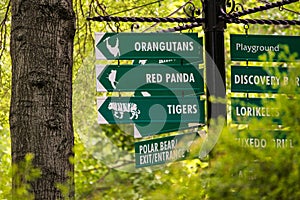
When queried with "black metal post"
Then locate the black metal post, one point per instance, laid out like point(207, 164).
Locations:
point(215, 57)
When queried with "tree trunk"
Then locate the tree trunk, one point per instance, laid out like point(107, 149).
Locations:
point(42, 36)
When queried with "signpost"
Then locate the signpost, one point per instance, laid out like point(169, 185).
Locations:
point(248, 79)
point(118, 110)
point(130, 78)
point(251, 47)
point(245, 109)
point(163, 150)
point(260, 79)
point(166, 81)
point(181, 49)
point(127, 46)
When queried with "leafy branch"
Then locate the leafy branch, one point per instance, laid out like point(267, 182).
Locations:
point(4, 29)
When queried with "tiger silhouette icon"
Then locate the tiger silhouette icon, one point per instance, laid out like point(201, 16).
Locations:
point(120, 108)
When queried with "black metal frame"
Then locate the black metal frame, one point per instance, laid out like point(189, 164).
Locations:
point(214, 23)
point(231, 16)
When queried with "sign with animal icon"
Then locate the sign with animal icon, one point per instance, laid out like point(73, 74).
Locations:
point(149, 109)
point(157, 77)
point(127, 46)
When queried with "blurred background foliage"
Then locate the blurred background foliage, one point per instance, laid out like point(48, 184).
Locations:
point(103, 154)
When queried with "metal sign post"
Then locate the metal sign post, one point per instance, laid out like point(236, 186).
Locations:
point(215, 58)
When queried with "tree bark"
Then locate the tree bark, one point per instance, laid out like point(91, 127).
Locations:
point(42, 37)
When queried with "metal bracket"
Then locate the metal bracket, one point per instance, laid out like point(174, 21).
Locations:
point(232, 17)
point(191, 11)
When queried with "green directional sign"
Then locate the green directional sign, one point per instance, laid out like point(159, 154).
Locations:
point(260, 79)
point(118, 110)
point(264, 138)
point(163, 150)
point(251, 47)
point(127, 46)
point(151, 76)
point(245, 109)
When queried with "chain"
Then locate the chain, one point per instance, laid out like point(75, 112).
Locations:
point(196, 22)
point(142, 19)
point(263, 21)
point(261, 8)
point(229, 18)
point(184, 27)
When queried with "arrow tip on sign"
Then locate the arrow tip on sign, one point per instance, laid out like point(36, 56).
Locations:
point(99, 86)
point(99, 55)
point(136, 132)
point(101, 119)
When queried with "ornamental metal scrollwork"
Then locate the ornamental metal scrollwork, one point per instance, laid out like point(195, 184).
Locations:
point(134, 26)
point(231, 6)
point(191, 11)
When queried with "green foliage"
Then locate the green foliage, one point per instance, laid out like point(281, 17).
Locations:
point(181, 180)
point(5, 66)
point(88, 171)
point(5, 164)
point(24, 172)
point(244, 172)
point(230, 166)
point(235, 172)
point(5, 84)
point(66, 189)
point(5, 77)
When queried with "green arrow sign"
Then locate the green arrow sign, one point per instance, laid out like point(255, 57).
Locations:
point(245, 109)
point(131, 78)
point(260, 79)
point(163, 150)
point(117, 110)
point(250, 47)
point(125, 46)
